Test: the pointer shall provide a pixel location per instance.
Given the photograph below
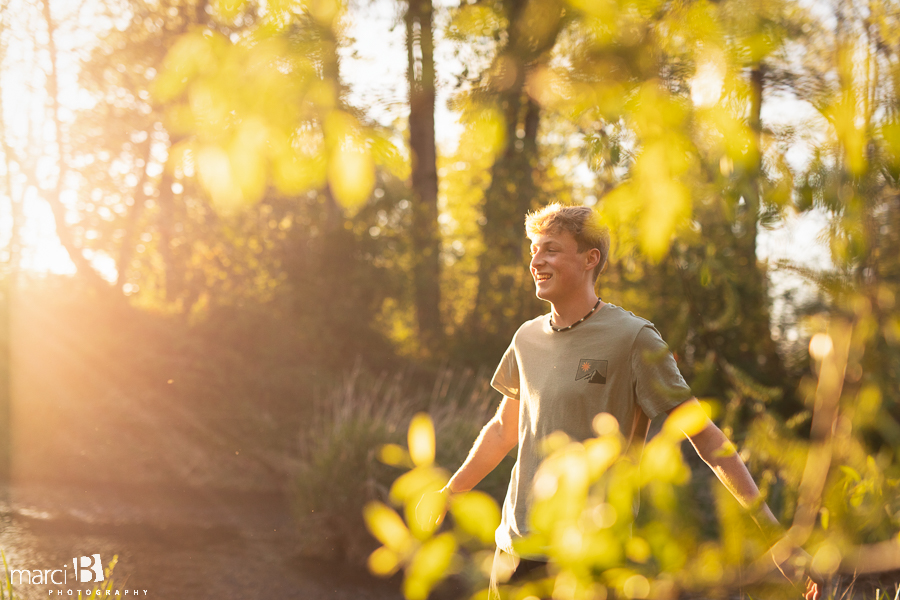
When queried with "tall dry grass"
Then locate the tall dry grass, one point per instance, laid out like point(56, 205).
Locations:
point(338, 470)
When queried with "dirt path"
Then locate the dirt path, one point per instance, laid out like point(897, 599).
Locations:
point(192, 543)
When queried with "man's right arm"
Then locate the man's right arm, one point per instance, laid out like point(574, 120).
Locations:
point(496, 439)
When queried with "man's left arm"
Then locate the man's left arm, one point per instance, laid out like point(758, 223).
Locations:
point(720, 454)
point(722, 457)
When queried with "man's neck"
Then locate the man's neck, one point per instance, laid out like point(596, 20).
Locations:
point(571, 310)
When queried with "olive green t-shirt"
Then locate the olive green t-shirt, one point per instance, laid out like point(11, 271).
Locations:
point(613, 362)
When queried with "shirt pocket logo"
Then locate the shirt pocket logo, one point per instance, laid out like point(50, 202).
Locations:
point(592, 370)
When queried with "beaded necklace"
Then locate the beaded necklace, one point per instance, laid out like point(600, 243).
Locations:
point(581, 320)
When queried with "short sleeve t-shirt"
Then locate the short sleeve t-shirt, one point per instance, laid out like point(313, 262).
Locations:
point(614, 362)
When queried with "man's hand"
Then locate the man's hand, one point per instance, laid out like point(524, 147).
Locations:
point(797, 568)
point(432, 508)
point(813, 590)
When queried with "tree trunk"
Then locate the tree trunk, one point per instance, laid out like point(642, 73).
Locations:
point(126, 250)
point(166, 234)
point(752, 288)
point(54, 199)
point(505, 294)
point(425, 234)
point(15, 204)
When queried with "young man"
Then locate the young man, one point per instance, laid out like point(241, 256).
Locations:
point(583, 358)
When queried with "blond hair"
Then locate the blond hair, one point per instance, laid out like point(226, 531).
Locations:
point(580, 221)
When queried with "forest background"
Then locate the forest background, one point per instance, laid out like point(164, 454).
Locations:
point(267, 265)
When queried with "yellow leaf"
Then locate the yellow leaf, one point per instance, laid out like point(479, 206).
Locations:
point(868, 404)
point(421, 440)
point(827, 559)
point(410, 486)
point(602, 454)
point(667, 207)
point(547, 87)
point(325, 11)
point(477, 514)
point(383, 562)
point(554, 442)
point(636, 586)
point(248, 151)
point(294, 173)
point(662, 461)
point(214, 167)
point(190, 54)
point(394, 455)
point(351, 175)
point(426, 515)
point(387, 527)
point(485, 134)
point(429, 566)
point(638, 550)
point(603, 10)
point(711, 407)
point(605, 424)
point(689, 418)
point(602, 549)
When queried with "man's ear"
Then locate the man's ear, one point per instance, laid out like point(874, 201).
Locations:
point(592, 258)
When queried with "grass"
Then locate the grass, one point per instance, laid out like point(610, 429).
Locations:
point(6, 590)
point(338, 470)
point(845, 587)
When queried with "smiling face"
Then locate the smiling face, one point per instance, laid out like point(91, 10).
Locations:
point(559, 270)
